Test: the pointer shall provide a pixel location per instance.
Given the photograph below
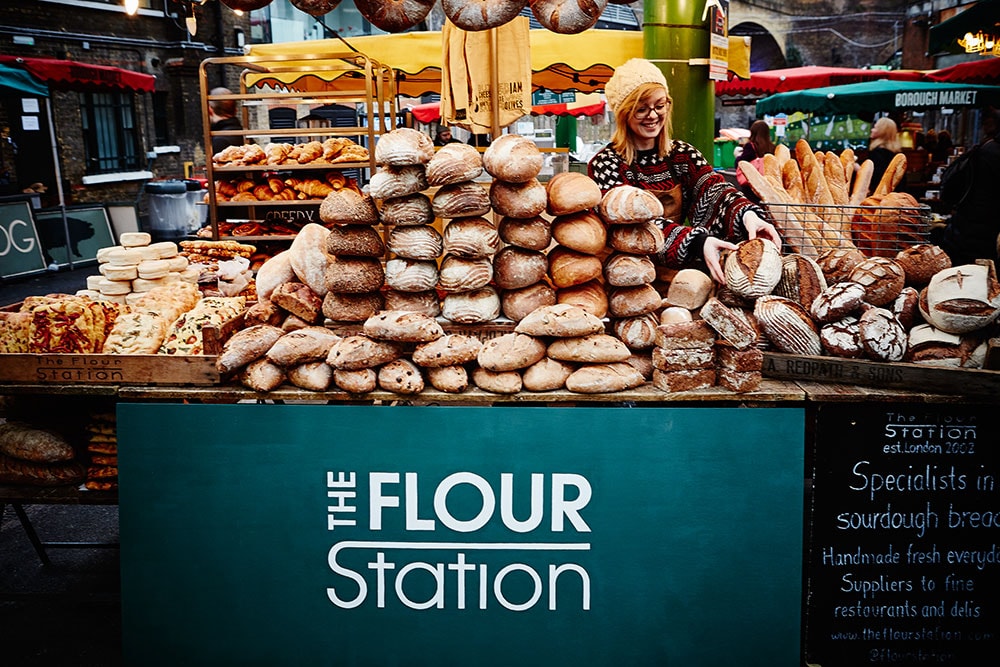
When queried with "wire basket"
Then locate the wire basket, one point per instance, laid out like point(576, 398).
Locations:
point(813, 229)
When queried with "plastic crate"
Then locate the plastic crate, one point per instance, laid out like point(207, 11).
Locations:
point(812, 229)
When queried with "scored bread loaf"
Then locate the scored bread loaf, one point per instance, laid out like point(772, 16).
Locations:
point(454, 163)
point(458, 200)
point(402, 147)
point(512, 157)
point(629, 205)
point(531, 233)
point(571, 192)
point(471, 238)
point(518, 200)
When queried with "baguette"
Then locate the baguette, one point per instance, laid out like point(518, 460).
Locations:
point(833, 170)
point(849, 160)
point(893, 175)
point(786, 218)
point(783, 154)
point(862, 180)
point(772, 169)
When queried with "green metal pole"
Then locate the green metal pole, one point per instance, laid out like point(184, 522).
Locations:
point(672, 34)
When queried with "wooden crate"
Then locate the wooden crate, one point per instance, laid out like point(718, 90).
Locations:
point(898, 375)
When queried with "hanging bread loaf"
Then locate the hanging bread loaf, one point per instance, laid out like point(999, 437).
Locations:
point(394, 16)
point(568, 17)
point(476, 15)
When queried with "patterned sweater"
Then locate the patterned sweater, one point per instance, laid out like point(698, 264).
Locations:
point(711, 206)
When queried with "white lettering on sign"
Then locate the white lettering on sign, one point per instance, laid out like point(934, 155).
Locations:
point(11, 240)
point(516, 586)
point(936, 98)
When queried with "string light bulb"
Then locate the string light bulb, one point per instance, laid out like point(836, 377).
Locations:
point(131, 7)
point(190, 21)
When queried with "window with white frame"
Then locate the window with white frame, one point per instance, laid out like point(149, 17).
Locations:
point(110, 132)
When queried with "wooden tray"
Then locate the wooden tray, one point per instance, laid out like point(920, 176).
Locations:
point(898, 375)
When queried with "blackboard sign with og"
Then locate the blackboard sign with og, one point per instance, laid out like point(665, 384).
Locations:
point(903, 562)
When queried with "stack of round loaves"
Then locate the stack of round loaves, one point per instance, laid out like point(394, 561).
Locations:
point(411, 273)
point(470, 239)
point(355, 276)
point(136, 266)
point(629, 273)
point(518, 198)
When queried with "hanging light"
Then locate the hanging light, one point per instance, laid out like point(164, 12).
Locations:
point(131, 7)
point(190, 21)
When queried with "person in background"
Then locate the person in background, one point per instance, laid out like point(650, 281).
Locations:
point(444, 137)
point(882, 147)
point(222, 116)
point(973, 228)
point(643, 154)
point(942, 149)
point(754, 150)
point(930, 142)
point(479, 140)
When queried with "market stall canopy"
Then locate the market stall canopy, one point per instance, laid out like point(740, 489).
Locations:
point(800, 78)
point(72, 75)
point(22, 82)
point(983, 71)
point(875, 96)
point(983, 16)
point(585, 104)
point(582, 62)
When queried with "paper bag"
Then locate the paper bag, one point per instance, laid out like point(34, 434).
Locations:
point(466, 94)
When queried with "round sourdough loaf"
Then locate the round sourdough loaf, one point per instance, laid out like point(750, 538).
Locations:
point(517, 303)
point(882, 336)
point(411, 275)
point(471, 238)
point(568, 17)
point(401, 376)
point(515, 267)
point(531, 233)
point(838, 263)
point(518, 200)
point(345, 307)
point(569, 267)
point(837, 301)
point(513, 158)
point(510, 352)
point(906, 307)
point(560, 320)
point(394, 15)
point(355, 240)
point(461, 274)
point(633, 301)
point(604, 378)
point(354, 275)
point(454, 163)
point(460, 200)
point(787, 325)
point(802, 279)
point(476, 15)
point(629, 205)
point(583, 232)
point(842, 338)
point(547, 375)
point(449, 379)
point(425, 302)
point(416, 242)
point(754, 268)
point(504, 382)
point(312, 375)
point(571, 192)
point(962, 299)
point(474, 307)
point(389, 182)
point(449, 350)
point(359, 381)
point(644, 238)
point(591, 296)
point(262, 375)
point(412, 209)
point(402, 326)
point(920, 262)
point(624, 270)
point(638, 333)
point(402, 147)
point(882, 278)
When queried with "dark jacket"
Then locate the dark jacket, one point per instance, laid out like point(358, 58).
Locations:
point(880, 157)
point(972, 230)
point(219, 143)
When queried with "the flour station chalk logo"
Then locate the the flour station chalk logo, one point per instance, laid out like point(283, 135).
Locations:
point(439, 553)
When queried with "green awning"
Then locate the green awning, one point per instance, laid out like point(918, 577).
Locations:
point(881, 96)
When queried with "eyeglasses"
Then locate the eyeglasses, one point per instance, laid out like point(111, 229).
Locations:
point(646, 112)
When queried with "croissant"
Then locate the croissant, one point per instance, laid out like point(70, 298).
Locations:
point(229, 154)
point(333, 146)
point(336, 179)
point(254, 154)
point(309, 152)
point(277, 153)
point(276, 184)
point(225, 188)
point(285, 195)
point(314, 188)
point(245, 185)
point(262, 192)
point(243, 196)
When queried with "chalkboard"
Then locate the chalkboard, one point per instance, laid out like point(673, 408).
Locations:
point(89, 231)
point(904, 542)
point(20, 251)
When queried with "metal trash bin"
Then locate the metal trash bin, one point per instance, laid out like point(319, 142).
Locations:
point(171, 210)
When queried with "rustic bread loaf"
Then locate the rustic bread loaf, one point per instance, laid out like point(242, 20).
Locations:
point(502, 382)
point(638, 333)
point(354, 275)
point(546, 375)
point(920, 262)
point(882, 278)
point(596, 348)
point(690, 289)
point(308, 257)
point(531, 233)
point(348, 207)
point(416, 242)
point(461, 200)
point(963, 298)
point(449, 379)
point(514, 267)
point(675, 314)
point(355, 240)
point(732, 328)
point(629, 205)
point(312, 375)
point(583, 231)
point(425, 302)
point(625, 270)
point(686, 380)
point(454, 163)
point(299, 300)
point(517, 303)
point(302, 346)
point(402, 326)
point(448, 350)
point(401, 376)
point(510, 352)
point(560, 320)
point(882, 336)
point(571, 192)
point(741, 382)
point(842, 338)
point(518, 200)
point(360, 381)
point(262, 375)
point(389, 182)
point(802, 279)
point(732, 358)
point(402, 147)
point(471, 237)
point(754, 268)
point(838, 263)
point(633, 301)
point(568, 17)
point(512, 157)
point(262, 312)
point(346, 307)
point(458, 274)
point(352, 353)
point(411, 275)
point(644, 238)
point(473, 307)
point(395, 16)
point(245, 346)
point(412, 209)
point(679, 360)
point(906, 307)
point(685, 335)
point(591, 296)
point(787, 325)
point(604, 378)
point(934, 347)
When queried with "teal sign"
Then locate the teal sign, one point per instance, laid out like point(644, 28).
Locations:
point(540, 97)
point(375, 535)
point(20, 251)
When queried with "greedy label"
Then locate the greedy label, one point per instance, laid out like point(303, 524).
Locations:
point(429, 568)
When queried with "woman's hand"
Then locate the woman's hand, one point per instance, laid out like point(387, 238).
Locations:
point(712, 252)
point(759, 228)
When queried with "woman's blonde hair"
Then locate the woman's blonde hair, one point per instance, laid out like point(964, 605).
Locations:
point(885, 134)
point(622, 140)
